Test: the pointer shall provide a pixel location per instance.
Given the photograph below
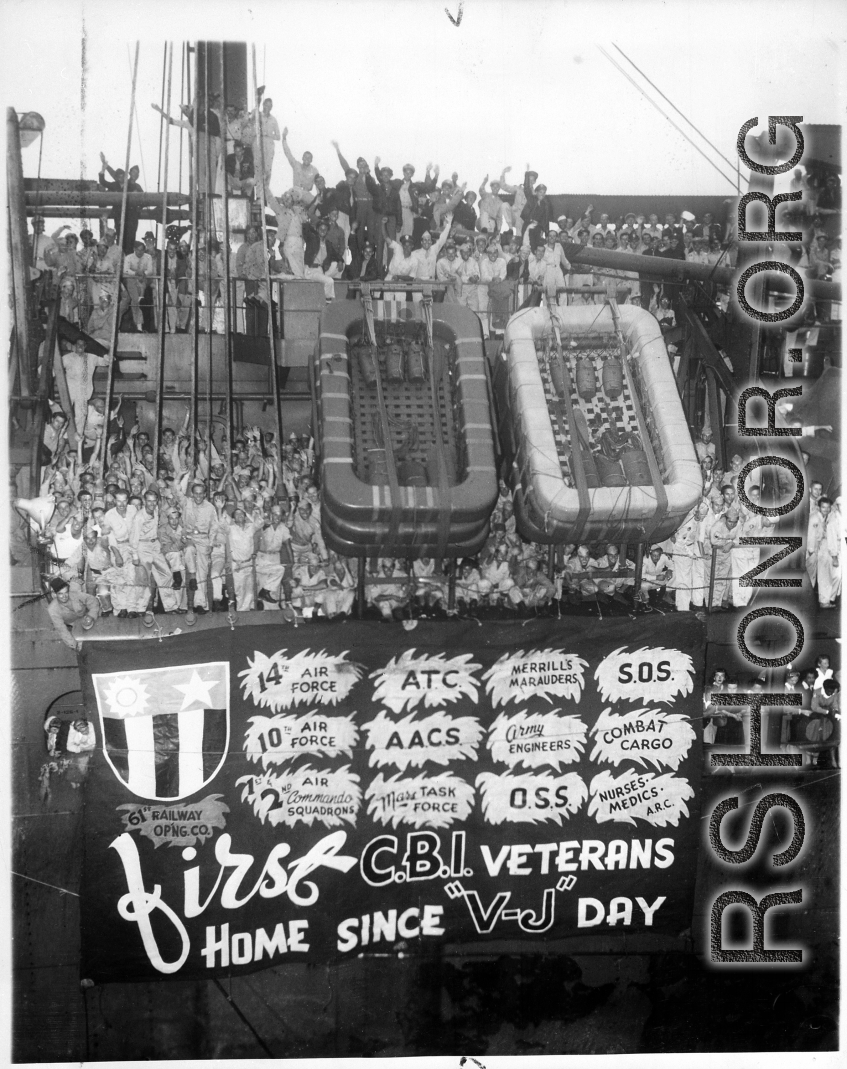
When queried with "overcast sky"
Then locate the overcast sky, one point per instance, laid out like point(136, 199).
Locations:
point(516, 82)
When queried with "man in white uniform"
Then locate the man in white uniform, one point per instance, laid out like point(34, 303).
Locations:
point(270, 568)
point(724, 538)
point(147, 550)
point(685, 555)
point(79, 372)
point(304, 173)
point(825, 545)
point(425, 258)
point(656, 573)
point(200, 521)
point(241, 549)
point(615, 585)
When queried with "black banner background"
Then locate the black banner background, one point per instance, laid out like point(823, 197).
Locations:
point(439, 908)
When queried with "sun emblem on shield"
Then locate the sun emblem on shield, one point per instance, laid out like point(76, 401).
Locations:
point(127, 696)
point(165, 731)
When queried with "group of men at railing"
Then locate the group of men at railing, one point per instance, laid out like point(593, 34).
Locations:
point(495, 244)
point(207, 526)
point(811, 729)
point(472, 269)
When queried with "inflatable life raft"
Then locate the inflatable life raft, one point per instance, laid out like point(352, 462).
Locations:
point(592, 426)
point(405, 434)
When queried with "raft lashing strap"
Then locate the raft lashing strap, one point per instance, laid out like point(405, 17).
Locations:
point(652, 463)
point(444, 491)
point(565, 413)
point(390, 460)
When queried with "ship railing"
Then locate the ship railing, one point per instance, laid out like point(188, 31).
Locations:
point(249, 307)
point(248, 304)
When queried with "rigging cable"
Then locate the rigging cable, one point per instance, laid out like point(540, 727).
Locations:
point(194, 141)
point(697, 148)
point(163, 125)
point(676, 109)
point(209, 228)
point(262, 198)
point(138, 128)
point(227, 282)
point(181, 102)
point(163, 271)
point(37, 196)
point(104, 460)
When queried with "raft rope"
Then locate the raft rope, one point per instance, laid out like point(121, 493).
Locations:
point(385, 425)
point(574, 437)
point(655, 474)
point(444, 491)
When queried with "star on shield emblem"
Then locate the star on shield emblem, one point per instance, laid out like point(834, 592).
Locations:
point(165, 731)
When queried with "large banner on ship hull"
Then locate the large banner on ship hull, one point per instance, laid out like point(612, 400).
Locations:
point(269, 794)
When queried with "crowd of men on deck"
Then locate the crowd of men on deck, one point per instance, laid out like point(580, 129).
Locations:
point(350, 221)
point(208, 525)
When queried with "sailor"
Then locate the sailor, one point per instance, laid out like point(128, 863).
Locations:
point(578, 575)
point(402, 267)
point(724, 538)
point(67, 529)
point(616, 584)
point(825, 547)
point(67, 606)
point(218, 553)
point(429, 587)
point(341, 589)
point(544, 275)
point(79, 368)
point(704, 444)
point(172, 541)
point(656, 573)
point(815, 495)
point(390, 597)
point(426, 257)
point(490, 208)
point(304, 173)
point(241, 550)
point(200, 521)
point(138, 269)
point(498, 575)
point(310, 584)
point(701, 568)
point(532, 587)
point(471, 587)
point(94, 559)
point(447, 270)
point(269, 130)
point(274, 558)
point(685, 555)
point(512, 213)
point(119, 522)
point(147, 550)
point(306, 534)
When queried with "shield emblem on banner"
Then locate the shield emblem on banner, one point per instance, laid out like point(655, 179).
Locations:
point(165, 731)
